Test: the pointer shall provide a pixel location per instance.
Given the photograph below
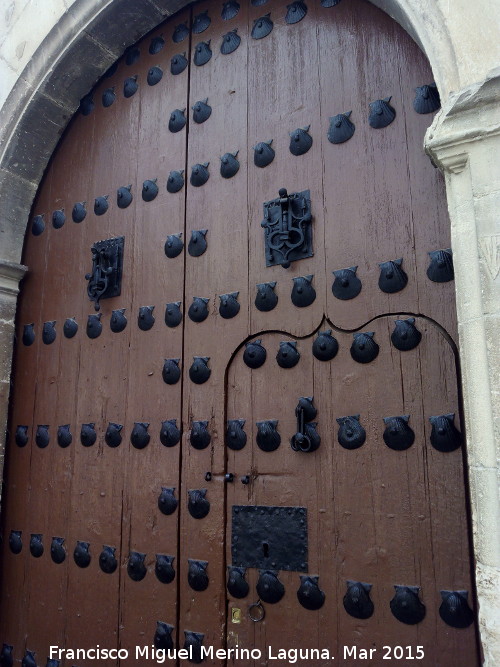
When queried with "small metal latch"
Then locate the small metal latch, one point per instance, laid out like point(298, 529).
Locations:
point(106, 276)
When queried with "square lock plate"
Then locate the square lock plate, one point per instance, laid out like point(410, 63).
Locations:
point(270, 538)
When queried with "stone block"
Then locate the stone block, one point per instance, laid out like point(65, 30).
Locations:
point(16, 195)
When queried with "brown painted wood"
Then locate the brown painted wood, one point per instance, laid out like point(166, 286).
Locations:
point(374, 515)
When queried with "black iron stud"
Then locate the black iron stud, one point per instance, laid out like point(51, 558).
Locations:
point(155, 75)
point(113, 436)
point(81, 554)
point(88, 435)
point(36, 545)
point(295, 12)
point(303, 293)
point(266, 298)
point(79, 211)
point(174, 244)
point(107, 559)
point(136, 568)
point(406, 605)
point(455, 610)
point(262, 26)
point(263, 153)
point(149, 189)
point(346, 284)
point(175, 182)
point(309, 593)
point(325, 346)
point(42, 437)
point(230, 42)
point(288, 356)
point(70, 327)
point(145, 319)
point(198, 242)
point(171, 372)
point(229, 10)
point(29, 659)
point(58, 218)
point(229, 165)
point(173, 314)
point(229, 306)
point(178, 63)
point(268, 439)
point(329, 3)
point(108, 97)
point(392, 277)
point(440, 269)
point(199, 371)
point(198, 504)
point(170, 435)
point(64, 437)
point(351, 434)
point(140, 437)
point(300, 141)
point(163, 636)
point(124, 196)
point(198, 310)
point(180, 33)
point(49, 332)
point(255, 354)
point(6, 656)
point(57, 550)
point(341, 129)
point(118, 321)
point(202, 53)
point(29, 334)
point(381, 113)
point(177, 120)
point(199, 437)
point(15, 541)
point(101, 205)
point(167, 502)
point(132, 55)
point(130, 86)
point(364, 348)
point(197, 574)
point(398, 434)
point(269, 587)
point(156, 45)
point(21, 437)
point(405, 336)
point(236, 438)
point(444, 435)
point(86, 105)
point(357, 602)
point(201, 111)
point(37, 225)
point(164, 569)
point(94, 325)
point(237, 585)
point(426, 99)
point(192, 643)
point(199, 174)
point(201, 22)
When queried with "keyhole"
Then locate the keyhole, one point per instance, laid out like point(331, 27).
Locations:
point(265, 549)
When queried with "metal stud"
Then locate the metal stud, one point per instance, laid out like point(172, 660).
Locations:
point(445, 437)
point(197, 574)
point(229, 10)
point(145, 319)
point(255, 354)
point(455, 610)
point(178, 63)
point(258, 3)
point(164, 570)
point(136, 568)
point(236, 438)
point(177, 120)
point(22, 436)
point(300, 141)
point(163, 636)
point(81, 554)
point(101, 205)
point(170, 435)
point(132, 55)
point(36, 545)
point(155, 75)
point(140, 437)
point(199, 174)
point(398, 435)
point(199, 371)
point(199, 437)
point(180, 33)
point(64, 437)
point(167, 502)
point(173, 314)
point(262, 27)
point(108, 97)
point(364, 348)
point(29, 659)
point(406, 336)
point(49, 332)
point(57, 550)
point(201, 22)
point(29, 334)
point(198, 242)
point(198, 310)
point(426, 99)
point(392, 277)
point(6, 657)
point(325, 346)
point(107, 559)
point(266, 298)
point(88, 435)
point(229, 165)
point(175, 182)
point(58, 218)
point(15, 541)
point(268, 439)
point(406, 605)
point(303, 293)
point(357, 602)
point(124, 196)
point(130, 86)
point(229, 306)
point(171, 372)
point(237, 585)
point(86, 105)
point(173, 245)
point(198, 505)
point(113, 436)
point(37, 225)
point(70, 327)
point(118, 321)
point(351, 434)
point(296, 12)
point(440, 269)
point(263, 154)
point(329, 3)
point(149, 189)
point(201, 111)
point(79, 211)
point(230, 42)
point(192, 644)
point(156, 45)
point(346, 284)
point(202, 53)
point(269, 587)
point(288, 356)
point(381, 113)
point(341, 129)
point(42, 437)
point(309, 594)
point(94, 326)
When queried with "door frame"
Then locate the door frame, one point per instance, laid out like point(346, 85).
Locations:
point(462, 141)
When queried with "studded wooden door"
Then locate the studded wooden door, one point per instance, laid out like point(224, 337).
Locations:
point(233, 454)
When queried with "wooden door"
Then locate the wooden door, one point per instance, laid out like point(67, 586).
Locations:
point(184, 517)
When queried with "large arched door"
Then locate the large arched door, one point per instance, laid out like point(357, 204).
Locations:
point(152, 496)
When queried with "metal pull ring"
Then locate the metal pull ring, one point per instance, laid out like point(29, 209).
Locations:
point(256, 612)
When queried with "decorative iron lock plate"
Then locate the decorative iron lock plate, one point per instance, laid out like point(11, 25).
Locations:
point(105, 280)
point(273, 538)
point(287, 228)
